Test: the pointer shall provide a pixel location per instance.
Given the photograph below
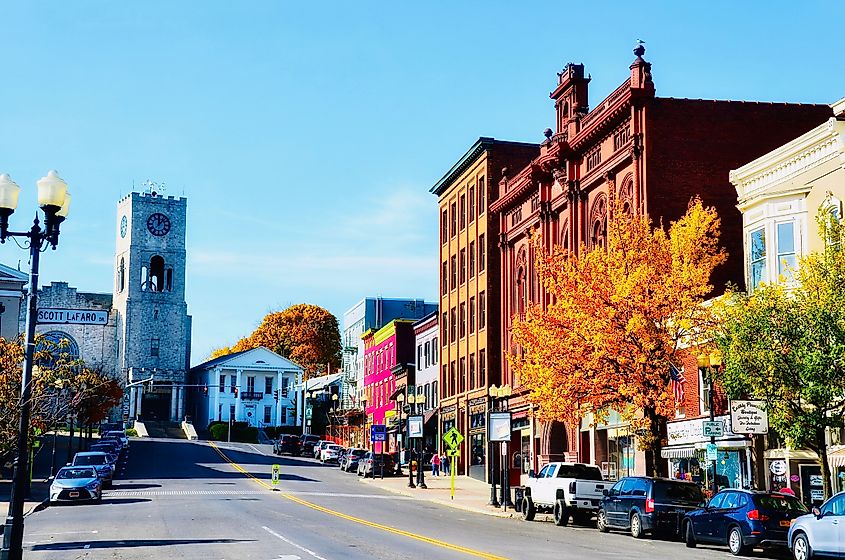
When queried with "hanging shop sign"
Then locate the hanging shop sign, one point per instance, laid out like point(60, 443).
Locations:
point(749, 417)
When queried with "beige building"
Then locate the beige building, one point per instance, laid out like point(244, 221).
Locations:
point(470, 355)
point(12, 282)
point(780, 195)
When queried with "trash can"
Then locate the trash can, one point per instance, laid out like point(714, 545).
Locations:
point(518, 495)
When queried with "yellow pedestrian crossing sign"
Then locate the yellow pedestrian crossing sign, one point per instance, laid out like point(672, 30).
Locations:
point(453, 438)
point(276, 475)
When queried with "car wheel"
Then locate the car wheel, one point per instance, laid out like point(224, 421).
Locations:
point(636, 526)
point(801, 549)
point(528, 509)
point(561, 514)
point(601, 521)
point(689, 535)
point(735, 542)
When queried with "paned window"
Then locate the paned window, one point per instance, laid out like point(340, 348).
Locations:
point(453, 324)
point(471, 197)
point(481, 253)
point(453, 272)
point(463, 267)
point(786, 251)
point(268, 385)
point(463, 370)
point(472, 259)
point(444, 278)
point(482, 368)
point(463, 211)
point(472, 371)
point(482, 202)
point(472, 315)
point(454, 211)
point(757, 257)
point(155, 346)
point(463, 320)
point(444, 226)
point(482, 310)
point(268, 410)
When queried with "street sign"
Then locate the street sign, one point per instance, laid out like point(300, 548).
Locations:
point(500, 426)
point(749, 417)
point(415, 426)
point(453, 452)
point(453, 438)
point(378, 432)
point(58, 316)
point(712, 429)
point(712, 452)
point(308, 412)
point(276, 474)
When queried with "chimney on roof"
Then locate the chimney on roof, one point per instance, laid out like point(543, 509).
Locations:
point(571, 99)
point(641, 83)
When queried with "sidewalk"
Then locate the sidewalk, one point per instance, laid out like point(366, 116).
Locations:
point(40, 490)
point(470, 494)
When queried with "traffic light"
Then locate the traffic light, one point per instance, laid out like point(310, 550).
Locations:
point(276, 394)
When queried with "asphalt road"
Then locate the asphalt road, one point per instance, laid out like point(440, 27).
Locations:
point(180, 499)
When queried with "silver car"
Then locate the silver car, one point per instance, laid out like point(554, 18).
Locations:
point(98, 460)
point(821, 532)
point(73, 484)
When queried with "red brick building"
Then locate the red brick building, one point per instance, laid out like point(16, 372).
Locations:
point(654, 154)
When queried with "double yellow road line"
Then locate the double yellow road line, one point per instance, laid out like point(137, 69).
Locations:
point(386, 528)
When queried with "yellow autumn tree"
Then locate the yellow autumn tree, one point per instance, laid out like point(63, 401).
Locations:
point(306, 334)
point(617, 316)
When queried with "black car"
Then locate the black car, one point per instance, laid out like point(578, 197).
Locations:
point(287, 444)
point(306, 444)
point(742, 519)
point(643, 505)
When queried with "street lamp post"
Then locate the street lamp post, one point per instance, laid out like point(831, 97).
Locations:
point(420, 401)
point(500, 393)
point(711, 364)
point(400, 400)
point(493, 391)
point(54, 201)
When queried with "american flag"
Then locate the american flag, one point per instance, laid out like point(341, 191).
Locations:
point(676, 380)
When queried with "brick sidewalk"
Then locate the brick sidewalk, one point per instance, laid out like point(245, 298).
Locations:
point(470, 494)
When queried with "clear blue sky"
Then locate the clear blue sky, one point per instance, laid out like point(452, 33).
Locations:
point(306, 135)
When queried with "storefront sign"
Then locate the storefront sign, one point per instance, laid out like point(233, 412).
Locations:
point(817, 495)
point(794, 478)
point(692, 431)
point(500, 426)
point(778, 467)
point(749, 417)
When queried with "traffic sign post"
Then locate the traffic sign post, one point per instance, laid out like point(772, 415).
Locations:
point(712, 429)
point(378, 432)
point(276, 475)
point(453, 439)
point(712, 453)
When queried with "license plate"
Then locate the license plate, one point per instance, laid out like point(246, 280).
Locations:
point(74, 494)
point(785, 523)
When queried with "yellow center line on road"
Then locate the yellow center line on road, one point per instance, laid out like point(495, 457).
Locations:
point(387, 528)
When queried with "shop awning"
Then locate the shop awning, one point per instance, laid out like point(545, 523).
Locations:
point(677, 452)
point(836, 459)
point(429, 415)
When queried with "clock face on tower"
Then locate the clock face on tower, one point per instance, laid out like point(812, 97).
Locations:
point(158, 224)
point(124, 223)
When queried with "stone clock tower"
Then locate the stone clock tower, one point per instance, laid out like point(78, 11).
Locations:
point(153, 326)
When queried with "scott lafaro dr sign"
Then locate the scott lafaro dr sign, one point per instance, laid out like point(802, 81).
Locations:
point(54, 316)
point(749, 417)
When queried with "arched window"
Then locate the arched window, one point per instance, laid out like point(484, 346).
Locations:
point(144, 279)
point(520, 291)
point(121, 275)
point(626, 194)
point(157, 273)
point(57, 344)
point(598, 222)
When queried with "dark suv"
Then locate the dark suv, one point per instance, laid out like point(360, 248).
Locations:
point(306, 444)
point(287, 444)
point(643, 504)
point(743, 519)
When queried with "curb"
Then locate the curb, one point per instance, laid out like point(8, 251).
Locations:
point(44, 504)
point(447, 503)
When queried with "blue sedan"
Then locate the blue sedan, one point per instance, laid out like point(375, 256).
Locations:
point(743, 519)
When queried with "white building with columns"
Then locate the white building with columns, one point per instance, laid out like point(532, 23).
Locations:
point(255, 386)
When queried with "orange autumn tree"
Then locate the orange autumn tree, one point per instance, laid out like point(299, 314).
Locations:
point(304, 333)
point(616, 319)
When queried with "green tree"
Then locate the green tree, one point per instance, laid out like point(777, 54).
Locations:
point(785, 344)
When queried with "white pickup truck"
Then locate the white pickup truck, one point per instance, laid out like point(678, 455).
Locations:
point(566, 490)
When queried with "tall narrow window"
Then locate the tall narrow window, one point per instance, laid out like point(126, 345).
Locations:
point(463, 211)
point(145, 280)
point(268, 385)
point(419, 357)
point(155, 345)
point(444, 226)
point(472, 379)
point(267, 412)
point(472, 315)
point(453, 272)
point(471, 198)
point(121, 275)
point(444, 325)
point(444, 280)
point(463, 266)
point(481, 253)
point(222, 385)
point(482, 368)
point(757, 257)
point(471, 259)
point(454, 211)
point(786, 251)
point(452, 377)
point(453, 324)
point(435, 351)
point(463, 320)
point(427, 353)
point(482, 311)
point(434, 395)
point(463, 373)
point(250, 383)
point(157, 273)
point(482, 202)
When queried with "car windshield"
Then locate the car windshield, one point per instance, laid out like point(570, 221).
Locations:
point(358, 452)
point(334, 447)
point(585, 472)
point(676, 492)
point(779, 502)
point(66, 474)
point(89, 460)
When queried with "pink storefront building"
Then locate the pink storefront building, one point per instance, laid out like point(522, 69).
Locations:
point(388, 369)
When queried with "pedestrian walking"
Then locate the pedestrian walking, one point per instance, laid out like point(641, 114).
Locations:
point(444, 463)
point(435, 464)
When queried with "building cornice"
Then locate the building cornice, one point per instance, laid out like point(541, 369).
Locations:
point(481, 145)
point(821, 144)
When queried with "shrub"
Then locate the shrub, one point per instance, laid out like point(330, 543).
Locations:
point(131, 432)
point(241, 432)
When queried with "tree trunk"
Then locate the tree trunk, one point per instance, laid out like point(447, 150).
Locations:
point(821, 450)
point(653, 442)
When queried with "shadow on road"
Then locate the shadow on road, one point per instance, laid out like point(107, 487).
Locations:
point(131, 486)
point(131, 543)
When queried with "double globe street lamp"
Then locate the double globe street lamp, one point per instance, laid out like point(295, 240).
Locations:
point(54, 200)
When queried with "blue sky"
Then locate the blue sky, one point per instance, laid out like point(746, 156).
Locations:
point(306, 135)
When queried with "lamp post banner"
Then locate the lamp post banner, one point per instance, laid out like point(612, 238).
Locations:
point(415, 426)
point(500, 426)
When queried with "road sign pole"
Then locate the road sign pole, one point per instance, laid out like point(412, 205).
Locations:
point(452, 475)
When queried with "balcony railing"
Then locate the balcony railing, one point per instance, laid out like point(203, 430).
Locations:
point(252, 395)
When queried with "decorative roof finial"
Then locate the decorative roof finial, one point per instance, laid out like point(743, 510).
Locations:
point(639, 50)
point(548, 133)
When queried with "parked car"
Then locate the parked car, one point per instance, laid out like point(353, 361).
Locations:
point(565, 489)
point(318, 447)
point(287, 444)
point(643, 505)
point(307, 443)
point(73, 484)
point(821, 532)
point(100, 462)
point(376, 464)
point(330, 453)
point(350, 459)
point(743, 519)
point(119, 435)
point(110, 450)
